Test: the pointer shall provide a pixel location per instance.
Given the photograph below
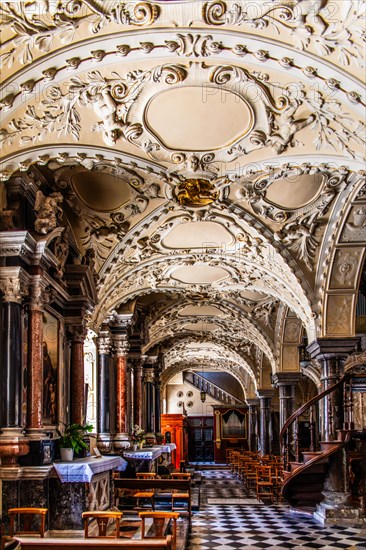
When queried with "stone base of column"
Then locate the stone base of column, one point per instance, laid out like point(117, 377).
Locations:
point(105, 442)
point(36, 434)
point(337, 510)
point(12, 445)
point(121, 441)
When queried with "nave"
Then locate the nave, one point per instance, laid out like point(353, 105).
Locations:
point(249, 524)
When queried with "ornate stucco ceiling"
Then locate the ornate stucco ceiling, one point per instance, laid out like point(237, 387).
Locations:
point(210, 155)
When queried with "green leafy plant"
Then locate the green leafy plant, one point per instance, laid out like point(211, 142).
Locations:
point(73, 436)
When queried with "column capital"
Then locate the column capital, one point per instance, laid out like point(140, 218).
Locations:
point(285, 378)
point(263, 393)
point(104, 340)
point(120, 344)
point(14, 283)
point(76, 332)
point(149, 374)
point(254, 402)
point(326, 348)
point(39, 293)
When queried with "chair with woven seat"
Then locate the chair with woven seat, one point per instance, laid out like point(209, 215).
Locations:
point(159, 519)
point(102, 518)
point(27, 515)
point(264, 483)
point(148, 494)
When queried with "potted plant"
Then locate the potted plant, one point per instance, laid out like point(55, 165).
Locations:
point(137, 437)
point(72, 440)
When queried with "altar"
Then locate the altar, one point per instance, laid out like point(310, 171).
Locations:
point(150, 459)
point(78, 486)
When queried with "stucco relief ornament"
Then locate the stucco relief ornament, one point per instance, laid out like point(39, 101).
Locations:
point(48, 212)
point(310, 23)
point(37, 24)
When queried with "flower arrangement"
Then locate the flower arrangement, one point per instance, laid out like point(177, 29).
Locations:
point(159, 438)
point(137, 435)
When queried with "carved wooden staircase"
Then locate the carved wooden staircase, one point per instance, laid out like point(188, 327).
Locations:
point(305, 470)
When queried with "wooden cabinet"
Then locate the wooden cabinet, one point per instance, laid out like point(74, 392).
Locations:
point(175, 427)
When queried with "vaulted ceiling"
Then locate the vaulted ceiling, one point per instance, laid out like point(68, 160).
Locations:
point(210, 157)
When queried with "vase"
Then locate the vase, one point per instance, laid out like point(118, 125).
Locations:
point(67, 455)
point(141, 444)
point(134, 446)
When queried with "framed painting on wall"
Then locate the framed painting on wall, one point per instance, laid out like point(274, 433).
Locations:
point(50, 367)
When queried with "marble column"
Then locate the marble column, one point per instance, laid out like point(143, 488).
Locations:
point(137, 392)
point(120, 344)
point(77, 383)
point(12, 442)
point(35, 359)
point(286, 382)
point(104, 345)
point(157, 404)
point(265, 398)
point(331, 354)
point(149, 397)
point(253, 424)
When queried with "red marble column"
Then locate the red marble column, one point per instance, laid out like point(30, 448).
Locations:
point(77, 383)
point(121, 347)
point(35, 358)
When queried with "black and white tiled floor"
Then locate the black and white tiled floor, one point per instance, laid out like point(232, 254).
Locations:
point(260, 526)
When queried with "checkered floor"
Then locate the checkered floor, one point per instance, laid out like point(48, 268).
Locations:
point(251, 526)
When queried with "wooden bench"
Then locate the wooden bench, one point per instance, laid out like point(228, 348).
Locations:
point(163, 485)
point(95, 544)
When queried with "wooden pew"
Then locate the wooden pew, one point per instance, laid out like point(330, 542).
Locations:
point(164, 485)
point(95, 544)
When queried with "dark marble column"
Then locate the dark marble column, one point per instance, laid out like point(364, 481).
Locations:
point(253, 424)
point(286, 382)
point(157, 404)
point(104, 345)
point(12, 443)
point(35, 359)
point(331, 354)
point(120, 343)
point(265, 398)
point(149, 398)
point(137, 392)
point(77, 382)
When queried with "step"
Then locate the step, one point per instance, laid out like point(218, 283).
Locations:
point(309, 455)
point(327, 445)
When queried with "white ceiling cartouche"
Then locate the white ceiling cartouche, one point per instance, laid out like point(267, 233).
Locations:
point(182, 118)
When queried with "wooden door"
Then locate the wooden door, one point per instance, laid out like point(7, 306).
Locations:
point(200, 447)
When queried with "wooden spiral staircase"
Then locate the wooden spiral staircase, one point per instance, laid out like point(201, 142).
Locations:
point(305, 470)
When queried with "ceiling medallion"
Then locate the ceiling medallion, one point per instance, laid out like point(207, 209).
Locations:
point(196, 192)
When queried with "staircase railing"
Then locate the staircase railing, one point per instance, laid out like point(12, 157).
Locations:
point(202, 384)
point(291, 447)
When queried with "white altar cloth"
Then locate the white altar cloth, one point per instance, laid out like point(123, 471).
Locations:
point(146, 453)
point(83, 469)
point(168, 447)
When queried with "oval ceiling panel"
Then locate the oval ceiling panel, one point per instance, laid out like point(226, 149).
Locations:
point(100, 191)
point(198, 118)
point(198, 235)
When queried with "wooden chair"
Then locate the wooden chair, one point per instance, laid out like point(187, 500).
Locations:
point(176, 495)
point(102, 518)
point(27, 515)
point(159, 519)
point(149, 494)
point(264, 483)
